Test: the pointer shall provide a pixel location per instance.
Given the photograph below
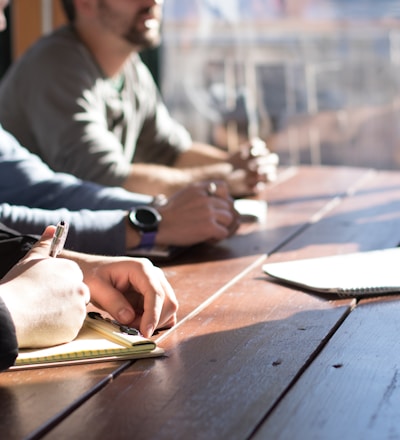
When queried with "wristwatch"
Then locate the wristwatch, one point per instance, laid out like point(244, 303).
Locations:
point(145, 219)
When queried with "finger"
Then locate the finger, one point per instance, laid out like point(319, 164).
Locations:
point(160, 304)
point(265, 175)
point(131, 281)
point(223, 211)
point(225, 225)
point(253, 148)
point(42, 246)
point(153, 303)
point(154, 298)
point(263, 169)
point(258, 151)
point(270, 160)
point(113, 301)
point(216, 188)
point(170, 307)
point(86, 293)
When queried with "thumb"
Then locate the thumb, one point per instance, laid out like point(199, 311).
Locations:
point(42, 247)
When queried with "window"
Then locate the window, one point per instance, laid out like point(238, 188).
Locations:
point(318, 79)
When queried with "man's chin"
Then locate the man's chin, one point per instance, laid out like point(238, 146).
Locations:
point(149, 40)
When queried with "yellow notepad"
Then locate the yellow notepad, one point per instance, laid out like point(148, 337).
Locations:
point(98, 340)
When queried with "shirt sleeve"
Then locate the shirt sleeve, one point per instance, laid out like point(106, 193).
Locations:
point(32, 196)
point(161, 138)
point(94, 232)
point(26, 180)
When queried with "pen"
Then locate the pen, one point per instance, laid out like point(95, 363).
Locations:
point(59, 238)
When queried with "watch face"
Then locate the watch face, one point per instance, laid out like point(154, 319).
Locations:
point(145, 218)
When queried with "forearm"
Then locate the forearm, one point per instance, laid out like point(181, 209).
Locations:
point(99, 232)
point(201, 154)
point(159, 179)
point(155, 179)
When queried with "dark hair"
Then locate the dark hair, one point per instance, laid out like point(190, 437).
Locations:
point(69, 9)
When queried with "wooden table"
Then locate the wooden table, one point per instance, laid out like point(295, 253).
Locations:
point(249, 358)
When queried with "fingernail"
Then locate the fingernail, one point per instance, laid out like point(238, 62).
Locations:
point(150, 330)
point(125, 316)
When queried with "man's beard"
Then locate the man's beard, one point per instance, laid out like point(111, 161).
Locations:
point(147, 40)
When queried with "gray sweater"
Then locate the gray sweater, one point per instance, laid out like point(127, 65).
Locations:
point(57, 102)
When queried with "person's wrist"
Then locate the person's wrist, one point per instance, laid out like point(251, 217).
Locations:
point(144, 220)
point(147, 239)
point(132, 236)
point(137, 239)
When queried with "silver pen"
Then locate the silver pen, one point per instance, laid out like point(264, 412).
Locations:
point(59, 238)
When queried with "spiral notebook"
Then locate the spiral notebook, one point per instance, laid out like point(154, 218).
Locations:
point(100, 339)
point(369, 273)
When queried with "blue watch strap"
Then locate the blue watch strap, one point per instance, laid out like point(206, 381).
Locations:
point(147, 239)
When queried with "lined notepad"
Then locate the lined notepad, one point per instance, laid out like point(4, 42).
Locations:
point(91, 345)
point(352, 275)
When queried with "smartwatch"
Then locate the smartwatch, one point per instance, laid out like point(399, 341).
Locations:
point(145, 219)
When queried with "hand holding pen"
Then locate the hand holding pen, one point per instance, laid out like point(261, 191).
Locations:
point(45, 296)
point(59, 237)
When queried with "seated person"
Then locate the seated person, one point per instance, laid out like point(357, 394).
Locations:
point(43, 299)
point(33, 196)
point(83, 101)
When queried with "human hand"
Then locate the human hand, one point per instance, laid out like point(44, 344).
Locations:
point(46, 296)
point(253, 165)
point(193, 215)
point(132, 290)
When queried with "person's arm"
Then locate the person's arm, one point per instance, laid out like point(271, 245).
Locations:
point(160, 179)
point(243, 171)
point(35, 196)
point(100, 232)
point(27, 180)
point(189, 217)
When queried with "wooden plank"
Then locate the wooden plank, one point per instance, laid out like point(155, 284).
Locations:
point(351, 391)
point(30, 400)
point(369, 219)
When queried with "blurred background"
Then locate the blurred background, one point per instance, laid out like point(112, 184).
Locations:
point(319, 80)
